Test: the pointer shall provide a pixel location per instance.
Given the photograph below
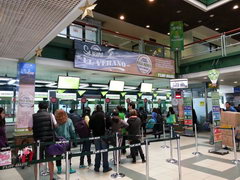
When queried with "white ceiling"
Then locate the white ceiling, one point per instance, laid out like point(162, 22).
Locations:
point(26, 25)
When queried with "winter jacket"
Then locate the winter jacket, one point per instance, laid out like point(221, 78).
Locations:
point(97, 123)
point(134, 127)
point(42, 126)
point(66, 130)
point(117, 126)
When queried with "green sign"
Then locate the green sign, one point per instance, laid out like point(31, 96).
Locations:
point(140, 94)
point(176, 36)
point(213, 75)
point(123, 94)
point(81, 92)
point(104, 93)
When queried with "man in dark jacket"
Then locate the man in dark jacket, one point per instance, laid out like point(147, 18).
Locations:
point(43, 131)
point(134, 135)
point(98, 126)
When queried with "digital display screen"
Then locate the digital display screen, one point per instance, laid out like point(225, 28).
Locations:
point(116, 85)
point(68, 82)
point(146, 87)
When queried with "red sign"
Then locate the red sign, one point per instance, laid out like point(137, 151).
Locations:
point(188, 122)
point(217, 135)
point(128, 100)
point(145, 100)
point(178, 95)
point(83, 100)
point(53, 99)
point(107, 100)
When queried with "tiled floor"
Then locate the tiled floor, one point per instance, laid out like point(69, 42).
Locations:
point(205, 167)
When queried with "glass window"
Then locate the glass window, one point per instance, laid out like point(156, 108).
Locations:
point(90, 34)
point(76, 32)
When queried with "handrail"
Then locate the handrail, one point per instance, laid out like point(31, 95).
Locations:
point(215, 36)
point(119, 34)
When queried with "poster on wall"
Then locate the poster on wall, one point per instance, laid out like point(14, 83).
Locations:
point(26, 90)
point(97, 57)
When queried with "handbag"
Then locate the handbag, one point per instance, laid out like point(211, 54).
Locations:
point(58, 148)
point(171, 119)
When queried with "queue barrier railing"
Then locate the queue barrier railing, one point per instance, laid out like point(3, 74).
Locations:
point(68, 155)
point(235, 160)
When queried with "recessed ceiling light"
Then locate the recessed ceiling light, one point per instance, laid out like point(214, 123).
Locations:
point(178, 11)
point(122, 17)
point(199, 21)
point(117, 32)
point(235, 7)
point(212, 15)
point(235, 82)
point(205, 78)
point(147, 26)
point(216, 29)
point(168, 33)
point(221, 80)
point(151, 0)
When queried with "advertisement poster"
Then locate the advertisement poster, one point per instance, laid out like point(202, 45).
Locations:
point(5, 158)
point(26, 90)
point(217, 135)
point(176, 36)
point(188, 111)
point(216, 112)
point(97, 57)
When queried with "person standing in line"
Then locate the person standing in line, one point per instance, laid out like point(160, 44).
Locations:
point(134, 127)
point(98, 125)
point(117, 126)
point(124, 131)
point(3, 138)
point(65, 129)
point(84, 132)
point(143, 117)
point(43, 131)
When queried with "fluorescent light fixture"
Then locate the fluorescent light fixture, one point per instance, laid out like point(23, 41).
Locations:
point(147, 26)
point(2, 84)
point(89, 88)
point(211, 15)
point(43, 82)
point(165, 90)
point(205, 78)
point(235, 82)
point(216, 29)
point(5, 79)
point(100, 85)
point(146, 87)
point(221, 80)
point(82, 85)
point(38, 85)
point(130, 87)
point(11, 82)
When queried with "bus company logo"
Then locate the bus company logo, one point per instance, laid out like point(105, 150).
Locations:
point(144, 64)
point(26, 101)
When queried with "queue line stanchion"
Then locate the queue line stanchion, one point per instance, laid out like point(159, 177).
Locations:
point(67, 174)
point(235, 161)
point(147, 159)
point(196, 153)
point(179, 158)
point(117, 175)
point(164, 136)
point(45, 171)
point(171, 160)
point(38, 158)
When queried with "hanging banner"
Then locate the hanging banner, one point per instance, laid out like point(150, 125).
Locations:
point(176, 36)
point(213, 76)
point(97, 57)
point(26, 76)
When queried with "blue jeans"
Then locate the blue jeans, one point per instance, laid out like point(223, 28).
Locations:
point(99, 145)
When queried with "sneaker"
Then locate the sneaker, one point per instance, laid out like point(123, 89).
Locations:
point(143, 161)
point(107, 170)
point(129, 156)
point(82, 166)
point(96, 170)
point(59, 170)
point(71, 171)
point(134, 161)
point(89, 165)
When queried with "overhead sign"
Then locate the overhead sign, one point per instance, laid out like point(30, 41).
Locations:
point(179, 83)
point(176, 36)
point(96, 57)
point(213, 75)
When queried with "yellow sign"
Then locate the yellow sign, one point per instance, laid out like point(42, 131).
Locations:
point(202, 103)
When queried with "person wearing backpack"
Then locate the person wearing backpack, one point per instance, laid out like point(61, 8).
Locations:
point(143, 117)
point(84, 132)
